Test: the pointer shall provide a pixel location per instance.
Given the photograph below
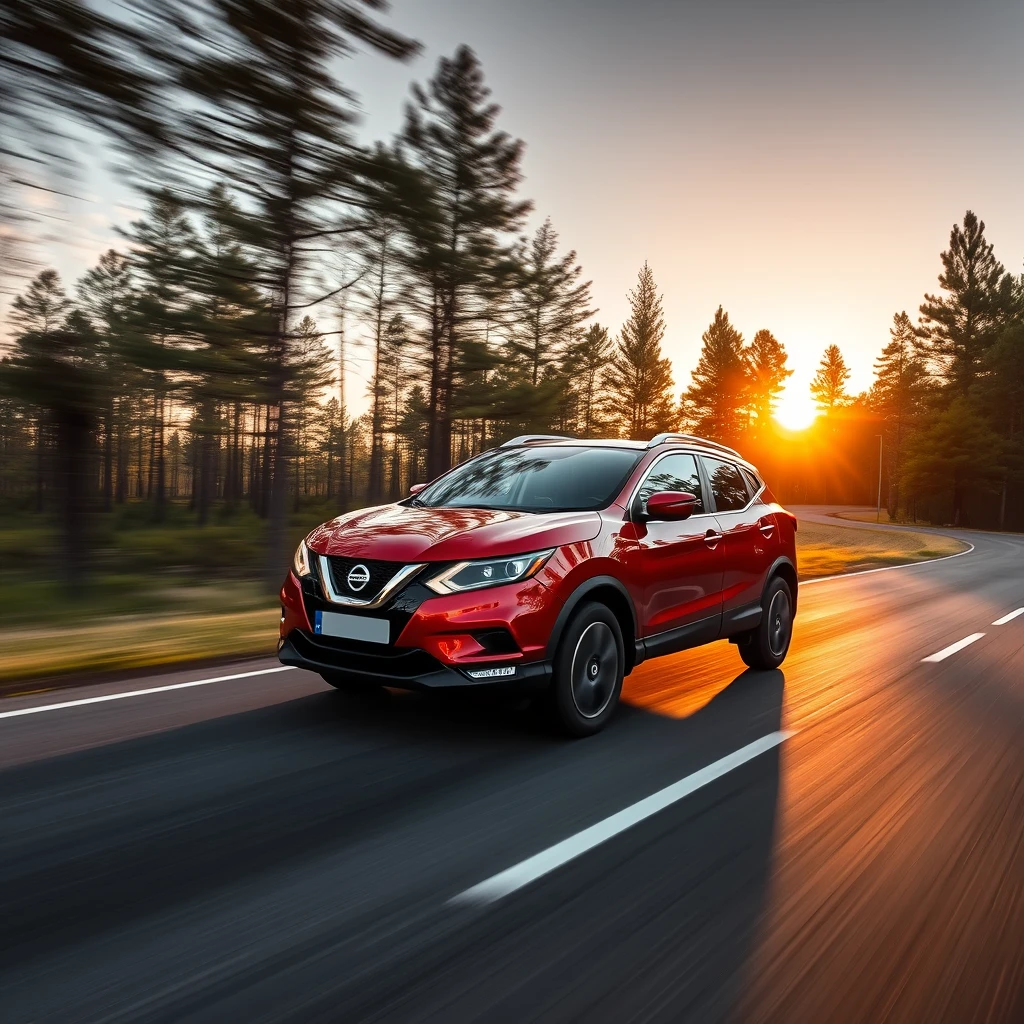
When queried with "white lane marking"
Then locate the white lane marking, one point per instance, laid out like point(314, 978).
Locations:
point(39, 709)
point(953, 648)
point(887, 568)
point(1009, 618)
point(529, 870)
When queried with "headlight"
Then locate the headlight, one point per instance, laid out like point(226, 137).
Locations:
point(302, 563)
point(490, 573)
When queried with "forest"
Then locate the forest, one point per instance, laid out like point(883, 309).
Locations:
point(194, 379)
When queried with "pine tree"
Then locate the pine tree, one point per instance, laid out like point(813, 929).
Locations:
point(767, 373)
point(224, 358)
point(828, 388)
point(265, 113)
point(1000, 390)
point(552, 302)
point(899, 393)
point(163, 247)
point(106, 293)
point(54, 369)
point(379, 257)
point(955, 455)
point(717, 395)
point(961, 325)
point(462, 207)
point(585, 369)
point(640, 377)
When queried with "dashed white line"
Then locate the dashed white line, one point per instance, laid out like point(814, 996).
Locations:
point(529, 870)
point(953, 648)
point(40, 708)
point(1009, 617)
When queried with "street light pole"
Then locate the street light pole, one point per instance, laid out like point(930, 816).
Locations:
point(878, 509)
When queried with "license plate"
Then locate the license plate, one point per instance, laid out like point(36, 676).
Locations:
point(352, 627)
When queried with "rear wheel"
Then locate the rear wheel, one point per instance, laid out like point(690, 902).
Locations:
point(766, 646)
point(588, 668)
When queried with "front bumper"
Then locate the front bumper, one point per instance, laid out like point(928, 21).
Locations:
point(435, 641)
point(405, 668)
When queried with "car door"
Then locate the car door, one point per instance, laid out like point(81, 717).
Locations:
point(681, 561)
point(749, 545)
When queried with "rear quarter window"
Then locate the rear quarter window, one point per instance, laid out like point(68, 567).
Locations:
point(727, 485)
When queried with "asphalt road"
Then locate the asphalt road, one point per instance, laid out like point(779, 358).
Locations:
point(263, 849)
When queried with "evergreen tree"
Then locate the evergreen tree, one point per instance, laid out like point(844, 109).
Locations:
point(553, 302)
point(960, 325)
point(640, 378)
point(1000, 390)
point(54, 369)
point(310, 374)
point(163, 247)
point(955, 455)
point(717, 395)
point(265, 113)
point(585, 369)
point(380, 239)
point(106, 293)
point(463, 205)
point(224, 360)
point(767, 373)
point(899, 393)
point(828, 388)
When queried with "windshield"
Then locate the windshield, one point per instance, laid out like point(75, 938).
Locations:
point(535, 479)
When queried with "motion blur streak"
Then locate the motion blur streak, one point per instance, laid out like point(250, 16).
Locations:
point(268, 851)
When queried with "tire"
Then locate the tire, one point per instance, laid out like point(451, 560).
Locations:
point(588, 668)
point(766, 647)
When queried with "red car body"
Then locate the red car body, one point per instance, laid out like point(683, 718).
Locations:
point(671, 583)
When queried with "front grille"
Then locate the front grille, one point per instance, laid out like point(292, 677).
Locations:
point(381, 573)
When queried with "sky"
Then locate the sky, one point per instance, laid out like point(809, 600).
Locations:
point(800, 163)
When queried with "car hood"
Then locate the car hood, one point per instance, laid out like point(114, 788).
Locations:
point(405, 533)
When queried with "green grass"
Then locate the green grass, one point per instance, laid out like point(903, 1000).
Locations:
point(827, 550)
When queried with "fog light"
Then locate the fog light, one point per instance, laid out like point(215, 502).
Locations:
point(491, 673)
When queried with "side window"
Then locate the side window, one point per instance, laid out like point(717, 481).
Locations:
point(753, 484)
point(727, 485)
point(677, 472)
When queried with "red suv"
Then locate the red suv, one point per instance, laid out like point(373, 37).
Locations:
point(548, 563)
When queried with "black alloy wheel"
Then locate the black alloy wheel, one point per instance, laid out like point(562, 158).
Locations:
point(588, 669)
point(766, 646)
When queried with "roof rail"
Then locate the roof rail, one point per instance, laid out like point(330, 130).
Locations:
point(535, 439)
point(691, 439)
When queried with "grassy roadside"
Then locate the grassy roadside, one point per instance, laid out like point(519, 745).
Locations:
point(829, 550)
point(234, 619)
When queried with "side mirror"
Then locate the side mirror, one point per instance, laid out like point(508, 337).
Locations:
point(671, 505)
point(416, 488)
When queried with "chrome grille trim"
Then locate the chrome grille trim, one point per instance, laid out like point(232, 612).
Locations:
point(399, 579)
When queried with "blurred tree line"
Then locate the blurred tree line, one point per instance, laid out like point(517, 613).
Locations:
point(203, 361)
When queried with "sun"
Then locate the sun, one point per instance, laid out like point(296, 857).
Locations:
point(796, 410)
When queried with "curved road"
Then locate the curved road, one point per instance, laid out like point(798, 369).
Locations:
point(261, 849)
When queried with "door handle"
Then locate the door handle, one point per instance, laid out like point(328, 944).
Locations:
point(711, 538)
point(767, 527)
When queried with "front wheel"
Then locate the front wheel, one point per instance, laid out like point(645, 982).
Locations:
point(766, 646)
point(588, 668)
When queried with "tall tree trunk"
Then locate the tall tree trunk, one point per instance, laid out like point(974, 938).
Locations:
point(108, 456)
point(40, 461)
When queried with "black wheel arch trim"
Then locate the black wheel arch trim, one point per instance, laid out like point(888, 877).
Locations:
point(782, 560)
point(580, 594)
